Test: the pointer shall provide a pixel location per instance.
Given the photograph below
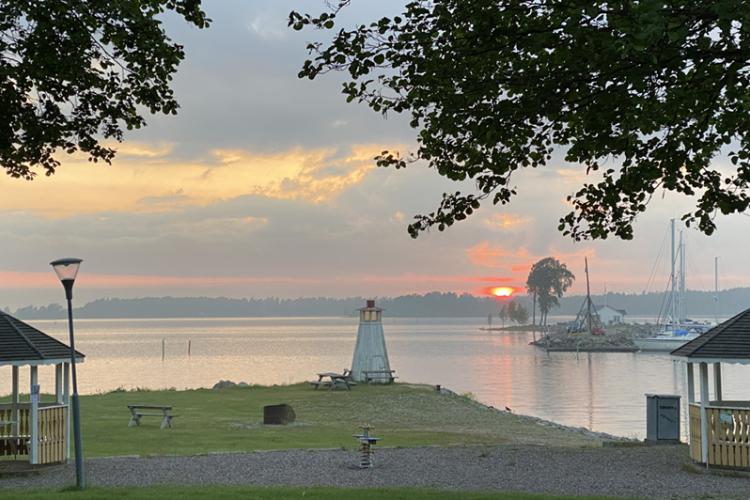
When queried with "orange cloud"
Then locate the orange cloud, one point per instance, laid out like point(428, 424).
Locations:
point(13, 280)
point(18, 280)
point(141, 149)
point(144, 179)
point(485, 255)
point(508, 222)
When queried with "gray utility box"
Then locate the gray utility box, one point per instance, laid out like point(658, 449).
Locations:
point(663, 418)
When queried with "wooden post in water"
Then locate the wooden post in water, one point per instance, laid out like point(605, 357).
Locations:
point(533, 317)
point(189, 345)
point(162, 349)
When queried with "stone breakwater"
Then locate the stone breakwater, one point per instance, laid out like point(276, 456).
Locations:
point(616, 338)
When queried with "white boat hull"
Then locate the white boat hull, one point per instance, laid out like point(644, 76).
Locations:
point(663, 343)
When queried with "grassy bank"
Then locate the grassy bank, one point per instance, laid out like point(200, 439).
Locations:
point(256, 493)
point(209, 420)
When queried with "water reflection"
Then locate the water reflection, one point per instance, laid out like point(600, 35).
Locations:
point(601, 391)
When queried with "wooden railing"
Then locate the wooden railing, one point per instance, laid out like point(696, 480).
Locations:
point(52, 447)
point(728, 433)
point(6, 414)
point(12, 443)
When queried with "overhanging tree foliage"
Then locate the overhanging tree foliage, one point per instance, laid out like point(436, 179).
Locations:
point(642, 94)
point(74, 72)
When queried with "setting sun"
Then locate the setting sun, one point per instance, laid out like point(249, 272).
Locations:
point(502, 291)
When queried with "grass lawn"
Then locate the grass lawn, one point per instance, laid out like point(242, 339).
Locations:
point(209, 420)
point(256, 493)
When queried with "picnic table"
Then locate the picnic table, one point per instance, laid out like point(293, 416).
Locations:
point(138, 411)
point(377, 375)
point(333, 380)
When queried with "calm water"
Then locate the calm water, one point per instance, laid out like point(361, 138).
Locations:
point(600, 391)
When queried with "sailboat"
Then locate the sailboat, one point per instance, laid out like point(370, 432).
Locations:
point(677, 330)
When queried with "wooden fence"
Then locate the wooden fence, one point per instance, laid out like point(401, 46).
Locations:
point(728, 434)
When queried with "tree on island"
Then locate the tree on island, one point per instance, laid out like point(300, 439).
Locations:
point(76, 73)
point(503, 314)
point(547, 282)
point(515, 312)
point(518, 313)
point(641, 95)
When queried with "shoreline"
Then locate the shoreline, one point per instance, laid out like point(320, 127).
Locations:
point(615, 349)
point(604, 436)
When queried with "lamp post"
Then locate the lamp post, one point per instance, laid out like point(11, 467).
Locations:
point(66, 270)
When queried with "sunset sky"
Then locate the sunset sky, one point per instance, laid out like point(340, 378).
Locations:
point(264, 185)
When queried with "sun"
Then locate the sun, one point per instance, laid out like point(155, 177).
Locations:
point(502, 291)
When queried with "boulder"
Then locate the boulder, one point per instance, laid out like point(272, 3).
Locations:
point(278, 414)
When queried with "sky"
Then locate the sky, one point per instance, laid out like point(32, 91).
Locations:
point(264, 185)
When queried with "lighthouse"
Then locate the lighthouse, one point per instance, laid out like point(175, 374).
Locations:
point(370, 353)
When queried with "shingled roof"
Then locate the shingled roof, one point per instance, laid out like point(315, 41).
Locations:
point(728, 340)
point(21, 343)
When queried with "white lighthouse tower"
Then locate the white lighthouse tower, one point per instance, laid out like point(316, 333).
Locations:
point(370, 353)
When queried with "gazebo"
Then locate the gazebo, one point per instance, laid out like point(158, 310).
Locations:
point(35, 428)
point(719, 429)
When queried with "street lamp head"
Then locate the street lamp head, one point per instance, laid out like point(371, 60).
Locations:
point(66, 270)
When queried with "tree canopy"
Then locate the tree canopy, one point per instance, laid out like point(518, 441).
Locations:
point(548, 280)
point(641, 95)
point(74, 73)
point(514, 311)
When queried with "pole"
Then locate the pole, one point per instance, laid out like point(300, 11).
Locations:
point(672, 304)
point(533, 317)
point(683, 304)
point(588, 296)
point(80, 483)
point(716, 289)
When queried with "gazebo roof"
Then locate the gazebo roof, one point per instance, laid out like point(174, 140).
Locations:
point(729, 341)
point(22, 344)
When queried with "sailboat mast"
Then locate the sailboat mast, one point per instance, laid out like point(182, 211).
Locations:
point(683, 305)
point(672, 281)
point(716, 289)
point(588, 295)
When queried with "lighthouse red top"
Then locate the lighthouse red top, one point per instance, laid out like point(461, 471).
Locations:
point(370, 312)
point(370, 306)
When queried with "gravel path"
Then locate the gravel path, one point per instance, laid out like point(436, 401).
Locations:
point(657, 472)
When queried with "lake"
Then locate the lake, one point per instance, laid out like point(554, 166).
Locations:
point(601, 391)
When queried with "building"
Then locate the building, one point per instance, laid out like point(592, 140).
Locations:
point(37, 427)
point(611, 316)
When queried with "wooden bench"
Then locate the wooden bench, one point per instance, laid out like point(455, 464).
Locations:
point(379, 375)
point(138, 411)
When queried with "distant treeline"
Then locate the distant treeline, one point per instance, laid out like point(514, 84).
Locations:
point(429, 305)
point(435, 304)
